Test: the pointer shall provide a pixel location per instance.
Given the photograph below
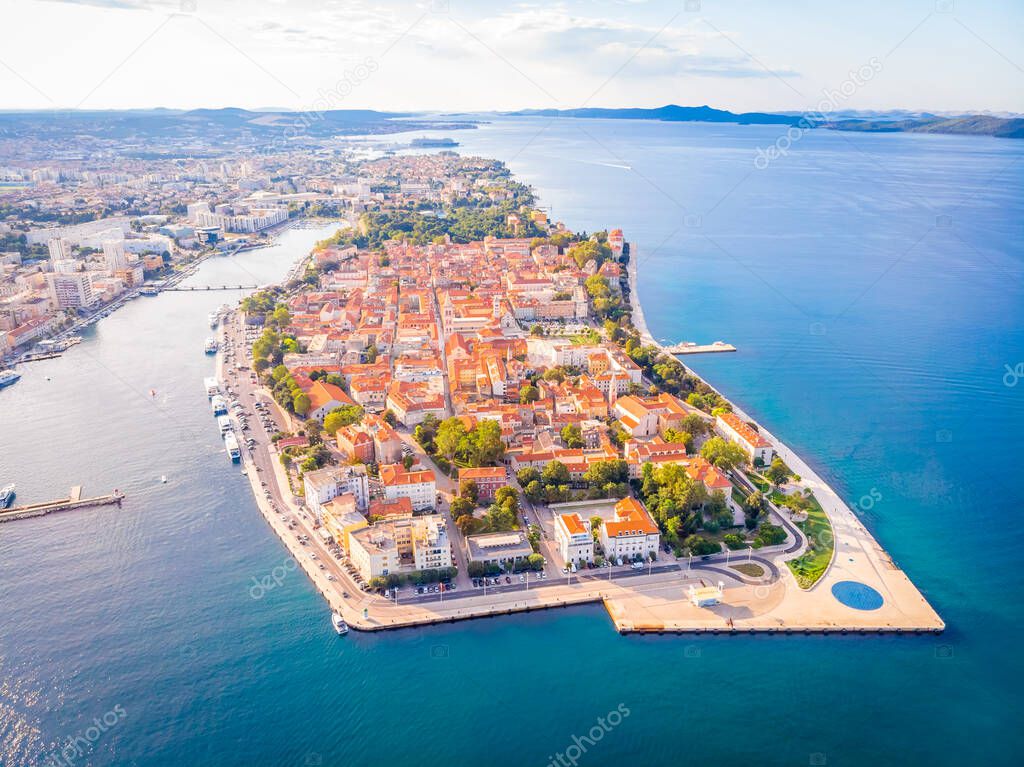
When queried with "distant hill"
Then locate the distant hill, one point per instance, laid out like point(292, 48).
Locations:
point(205, 126)
point(667, 113)
point(969, 125)
point(894, 122)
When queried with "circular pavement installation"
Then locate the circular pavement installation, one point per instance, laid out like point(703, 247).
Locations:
point(857, 595)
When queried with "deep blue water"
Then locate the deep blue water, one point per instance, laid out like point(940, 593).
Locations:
point(873, 287)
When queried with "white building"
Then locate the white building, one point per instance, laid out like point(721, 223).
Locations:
point(632, 534)
point(400, 545)
point(574, 538)
point(416, 485)
point(71, 291)
point(733, 428)
point(113, 252)
point(324, 485)
point(59, 249)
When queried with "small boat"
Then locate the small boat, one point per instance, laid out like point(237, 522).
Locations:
point(211, 346)
point(8, 377)
point(6, 496)
point(214, 319)
point(163, 478)
point(149, 290)
point(339, 624)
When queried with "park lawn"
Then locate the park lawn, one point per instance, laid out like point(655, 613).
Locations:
point(813, 563)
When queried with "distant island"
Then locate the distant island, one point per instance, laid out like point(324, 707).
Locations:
point(421, 143)
point(979, 125)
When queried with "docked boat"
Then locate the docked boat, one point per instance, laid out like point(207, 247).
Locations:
point(211, 345)
point(214, 319)
point(231, 444)
point(219, 405)
point(339, 624)
point(212, 386)
point(224, 422)
point(149, 290)
point(7, 377)
point(6, 496)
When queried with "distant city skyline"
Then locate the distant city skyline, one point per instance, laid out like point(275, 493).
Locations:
point(450, 55)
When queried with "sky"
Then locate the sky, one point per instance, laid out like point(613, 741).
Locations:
point(456, 55)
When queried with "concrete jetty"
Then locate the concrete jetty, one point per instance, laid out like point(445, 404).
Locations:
point(73, 501)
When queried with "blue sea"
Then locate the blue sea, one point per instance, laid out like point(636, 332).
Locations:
point(872, 284)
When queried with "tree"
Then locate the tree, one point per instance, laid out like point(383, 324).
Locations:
point(526, 475)
point(461, 506)
point(778, 472)
point(700, 547)
point(470, 491)
point(371, 353)
point(508, 497)
point(536, 330)
point(485, 443)
point(723, 454)
point(301, 403)
point(572, 436)
point(408, 461)
point(770, 535)
point(468, 525)
point(555, 473)
point(534, 491)
point(450, 436)
point(390, 418)
point(343, 416)
point(528, 393)
point(680, 437)
point(603, 473)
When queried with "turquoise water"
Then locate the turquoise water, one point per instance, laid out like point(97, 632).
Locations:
point(881, 363)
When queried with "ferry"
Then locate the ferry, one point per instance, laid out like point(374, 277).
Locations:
point(7, 377)
point(211, 345)
point(224, 422)
point(232, 446)
point(149, 290)
point(212, 386)
point(339, 624)
point(6, 496)
point(219, 405)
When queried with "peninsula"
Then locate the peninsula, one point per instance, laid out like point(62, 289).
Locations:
point(453, 409)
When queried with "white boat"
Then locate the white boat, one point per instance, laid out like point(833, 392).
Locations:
point(224, 422)
point(163, 478)
point(219, 405)
point(212, 386)
point(211, 345)
point(232, 446)
point(6, 496)
point(339, 624)
point(7, 377)
point(213, 318)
